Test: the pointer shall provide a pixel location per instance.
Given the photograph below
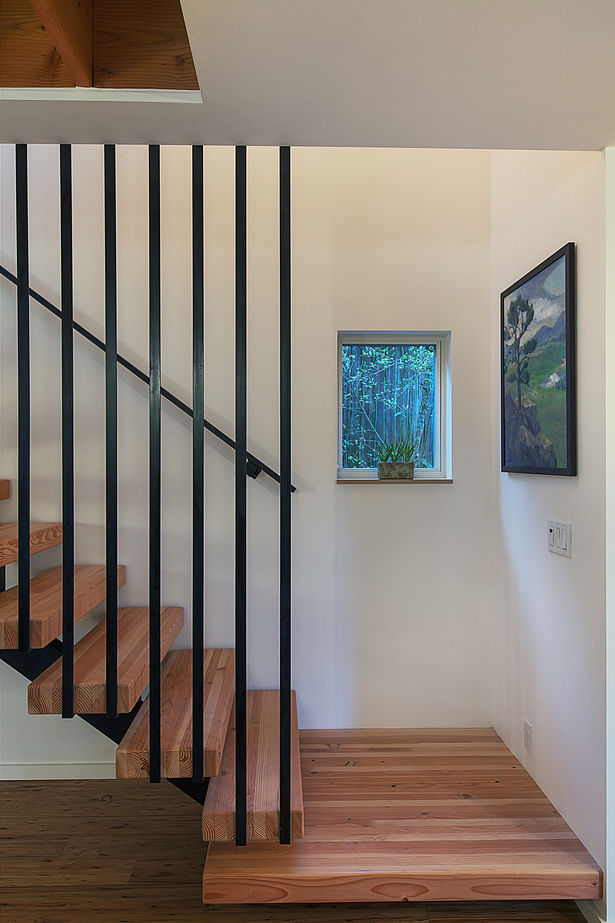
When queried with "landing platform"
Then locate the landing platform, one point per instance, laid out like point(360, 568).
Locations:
point(411, 815)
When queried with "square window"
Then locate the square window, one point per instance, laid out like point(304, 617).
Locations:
point(393, 391)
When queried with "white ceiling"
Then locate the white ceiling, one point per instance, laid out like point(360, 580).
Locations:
point(411, 73)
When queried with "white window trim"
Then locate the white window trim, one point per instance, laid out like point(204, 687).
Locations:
point(442, 341)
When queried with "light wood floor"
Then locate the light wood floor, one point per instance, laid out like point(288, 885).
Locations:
point(411, 814)
point(131, 852)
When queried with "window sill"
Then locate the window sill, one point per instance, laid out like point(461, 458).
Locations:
point(394, 481)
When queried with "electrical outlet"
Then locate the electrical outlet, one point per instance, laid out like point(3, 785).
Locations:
point(528, 736)
point(559, 537)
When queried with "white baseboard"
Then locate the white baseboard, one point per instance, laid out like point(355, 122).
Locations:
point(44, 771)
point(592, 911)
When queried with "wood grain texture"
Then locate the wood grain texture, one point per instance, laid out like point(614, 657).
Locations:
point(90, 687)
point(28, 57)
point(263, 775)
point(69, 25)
point(5, 489)
point(132, 755)
point(411, 815)
point(46, 603)
point(142, 44)
point(43, 535)
point(113, 43)
point(83, 825)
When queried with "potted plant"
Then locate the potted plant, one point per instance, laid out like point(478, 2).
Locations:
point(397, 460)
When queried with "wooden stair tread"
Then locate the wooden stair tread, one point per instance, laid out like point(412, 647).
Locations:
point(46, 603)
point(132, 756)
point(263, 775)
point(5, 489)
point(410, 815)
point(43, 535)
point(45, 693)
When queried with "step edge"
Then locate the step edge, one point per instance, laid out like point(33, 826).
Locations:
point(132, 689)
point(141, 757)
point(39, 618)
point(213, 818)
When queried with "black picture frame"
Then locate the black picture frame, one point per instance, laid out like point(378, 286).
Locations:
point(528, 350)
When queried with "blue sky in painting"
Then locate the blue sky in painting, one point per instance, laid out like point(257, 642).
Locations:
point(546, 292)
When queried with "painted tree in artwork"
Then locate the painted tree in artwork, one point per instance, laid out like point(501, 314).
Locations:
point(518, 319)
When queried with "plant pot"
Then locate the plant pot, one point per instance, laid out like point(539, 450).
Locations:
point(396, 471)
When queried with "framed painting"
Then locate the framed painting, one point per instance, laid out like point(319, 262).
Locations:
point(538, 410)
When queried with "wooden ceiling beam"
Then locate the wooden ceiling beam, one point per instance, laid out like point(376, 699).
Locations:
point(104, 43)
point(27, 55)
point(142, 44)
point(69, 26)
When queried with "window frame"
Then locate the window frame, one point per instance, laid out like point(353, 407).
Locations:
point(441, 339)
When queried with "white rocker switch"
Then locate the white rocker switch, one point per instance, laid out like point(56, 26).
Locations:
point(558, 537)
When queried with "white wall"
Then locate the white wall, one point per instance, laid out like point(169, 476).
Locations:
point(393, 600)
point(401, 595)
point(551, 625)
point(394, 240)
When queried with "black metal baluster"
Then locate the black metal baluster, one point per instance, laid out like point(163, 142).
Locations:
point(68, 463)
point(154, 462)
point(285, 499)
point(198, 462)
point(240, 495)
point(111, 515)
point(23, 396)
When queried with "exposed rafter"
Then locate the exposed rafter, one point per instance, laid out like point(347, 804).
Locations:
point(69, 25)
point(115, 44)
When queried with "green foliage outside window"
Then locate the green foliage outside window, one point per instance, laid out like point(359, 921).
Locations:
point(388, 397)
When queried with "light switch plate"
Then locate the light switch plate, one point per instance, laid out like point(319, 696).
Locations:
point(559, 537)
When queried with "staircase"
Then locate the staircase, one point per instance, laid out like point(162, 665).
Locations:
point(168, 709)
point(43, 535)
point(132, 759)
point(290, 816)
point(46, 603)
point(90, 693)
point(263, 809)
point(90, 688)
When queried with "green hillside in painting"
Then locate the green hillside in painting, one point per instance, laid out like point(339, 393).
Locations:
point(550, 402)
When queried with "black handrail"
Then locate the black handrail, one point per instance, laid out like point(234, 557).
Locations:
point(254, 465)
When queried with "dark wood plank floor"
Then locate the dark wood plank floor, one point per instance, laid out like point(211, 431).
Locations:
point(130, 852)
